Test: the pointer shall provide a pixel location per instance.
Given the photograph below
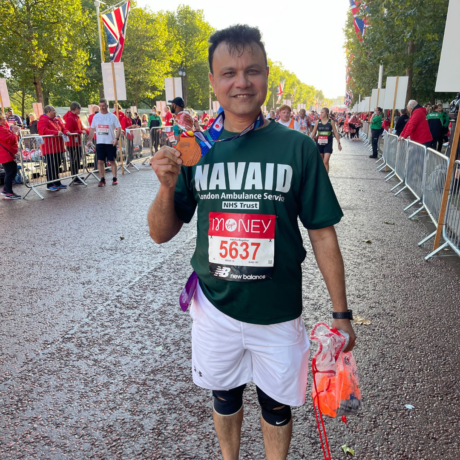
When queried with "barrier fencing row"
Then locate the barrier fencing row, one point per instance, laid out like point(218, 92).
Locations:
point(366, 135)
point(423, 171)
point(48, 160)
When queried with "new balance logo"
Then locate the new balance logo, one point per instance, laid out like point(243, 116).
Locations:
point(222, 272)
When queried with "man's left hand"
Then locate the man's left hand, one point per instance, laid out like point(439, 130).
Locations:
point(340, 148)
point(115, 142)
point(345, 325)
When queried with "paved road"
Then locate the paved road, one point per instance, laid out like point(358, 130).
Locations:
point(95, 352)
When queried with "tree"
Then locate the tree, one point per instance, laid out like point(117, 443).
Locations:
point(43, 41)
point(190, 32)
point(406, 37)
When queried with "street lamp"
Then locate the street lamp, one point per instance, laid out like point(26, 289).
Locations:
point(182, 75)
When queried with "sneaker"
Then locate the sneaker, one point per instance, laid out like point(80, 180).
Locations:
point(114, 181)
point(78, 182)
point(53, 188)
point(101, 183)
point(11, 196)
point(3, 193)
point(62, 187)
point(372, 156)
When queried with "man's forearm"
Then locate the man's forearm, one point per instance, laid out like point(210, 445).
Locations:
point(330, 262)
point(162, 218)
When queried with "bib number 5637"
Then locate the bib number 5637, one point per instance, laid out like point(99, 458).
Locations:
point(236, 249)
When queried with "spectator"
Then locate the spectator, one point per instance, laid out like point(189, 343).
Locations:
point(168, 116)
point(8, 148)
point(401, 123)
point(108, 129)
point(417, 127)
point(13, 119)
point(155, 122)
point(73, 124)
point(377, 130)
point(128, 123)
point(177, 105)
point(145, 121)
point(354, 127)
point(33, 124)
point(53, 147)
point(137, 120)
point(90, 118)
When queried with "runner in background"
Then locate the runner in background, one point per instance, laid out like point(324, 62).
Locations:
point(13, 119)
point(325, 128)
point(285, 118)
point(304, 122)
point(108, 130)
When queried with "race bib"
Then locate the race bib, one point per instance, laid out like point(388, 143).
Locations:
point(102, 130)
point(241, 246)
point(323, 140)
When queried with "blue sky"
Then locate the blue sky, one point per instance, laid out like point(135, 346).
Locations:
point(306, 36)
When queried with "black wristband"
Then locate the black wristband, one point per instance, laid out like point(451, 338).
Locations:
point(343, 315)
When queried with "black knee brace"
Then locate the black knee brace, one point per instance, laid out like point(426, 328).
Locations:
point(270, 413)
point(228, 402)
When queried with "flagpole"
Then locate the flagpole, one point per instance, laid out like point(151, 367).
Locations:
point(116, 108)
point(97, 4)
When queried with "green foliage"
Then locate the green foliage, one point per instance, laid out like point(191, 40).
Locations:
point(406, 37)
point(49, 52)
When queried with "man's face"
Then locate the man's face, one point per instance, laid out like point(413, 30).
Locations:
point(302, 113)
point(77, 111)
point(409, 109)
point(52, 113)
point(239, 80)
point(103, 107)
point(173, 108)
point(285, 114)
point(438, 109)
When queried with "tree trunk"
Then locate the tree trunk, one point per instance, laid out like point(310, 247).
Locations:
point(101, 91)
point(38, 89)
point(46, 97)
point(410, 70)
point(23, 98)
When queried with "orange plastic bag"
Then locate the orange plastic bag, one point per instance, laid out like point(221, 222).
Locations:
point(336, 390)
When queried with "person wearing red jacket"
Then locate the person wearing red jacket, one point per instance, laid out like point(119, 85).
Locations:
point(73, 124)
point(417, 127)
point(53, 147)
point(90, 118)
point(8, 149)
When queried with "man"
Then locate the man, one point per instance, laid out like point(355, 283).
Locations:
point(53, 147)
point(177, 105)
point(247, 308)
point(377, 130)
point(13, 119)
point(8, 149)
point(417, 127)
point(271, 115)
point(168, 116)
point(108, 130)
point(74, 125)
point(303, 121)
point(438, 120)
point(127, 123)
point(286, 119)
point(154, 121)
point(401, 122)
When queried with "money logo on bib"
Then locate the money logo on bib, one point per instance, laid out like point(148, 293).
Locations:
point(241, 246)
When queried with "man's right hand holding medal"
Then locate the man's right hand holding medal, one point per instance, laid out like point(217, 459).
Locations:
point(166, 164)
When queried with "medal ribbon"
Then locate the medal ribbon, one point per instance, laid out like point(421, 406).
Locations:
point(212, 134)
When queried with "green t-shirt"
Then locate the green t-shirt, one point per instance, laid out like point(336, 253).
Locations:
point(155, 117)
point(376, 122)
point(250, 193)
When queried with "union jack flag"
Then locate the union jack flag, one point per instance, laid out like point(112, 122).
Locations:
point(359, 23)
point(280, 91)
point(115, 24)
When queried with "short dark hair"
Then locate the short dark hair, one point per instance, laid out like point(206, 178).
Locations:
point(74, 106)
point(237, 38)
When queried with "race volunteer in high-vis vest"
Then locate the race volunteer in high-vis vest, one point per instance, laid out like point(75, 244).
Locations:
point(324, 129)
point(286, 120)
point(254, 178)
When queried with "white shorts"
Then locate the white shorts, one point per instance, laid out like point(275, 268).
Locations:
point(227, 353)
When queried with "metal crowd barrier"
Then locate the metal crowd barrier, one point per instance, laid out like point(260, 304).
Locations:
point(46, 160)
point(390, 148)
point(451, 228)
point(435, 179)
point(415, 168)
point(400, 168)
